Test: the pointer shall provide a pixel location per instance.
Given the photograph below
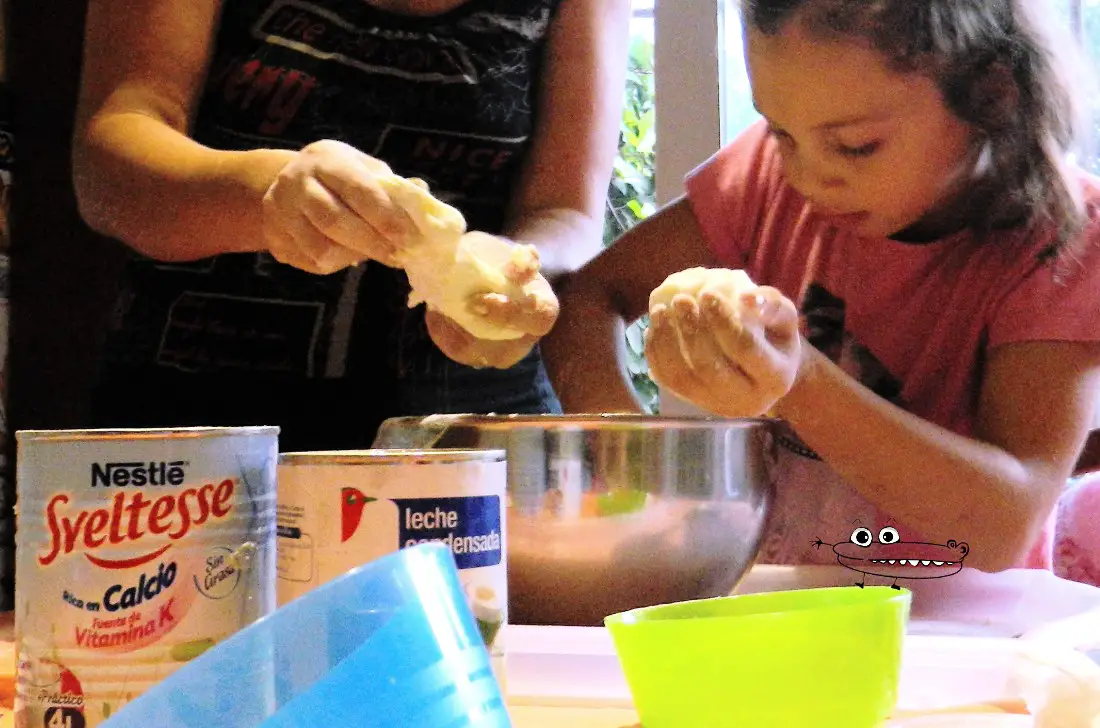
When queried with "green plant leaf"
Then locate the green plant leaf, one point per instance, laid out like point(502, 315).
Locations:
point(647, 131)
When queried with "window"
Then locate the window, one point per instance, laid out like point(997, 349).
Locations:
point(1084, 18)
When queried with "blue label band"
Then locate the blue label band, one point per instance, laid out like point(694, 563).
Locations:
point(469, 526)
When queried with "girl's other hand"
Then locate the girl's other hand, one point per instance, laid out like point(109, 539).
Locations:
point(326, 211)
point(731, 358)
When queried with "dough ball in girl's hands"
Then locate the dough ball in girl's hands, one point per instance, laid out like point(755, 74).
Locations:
point(727, 283)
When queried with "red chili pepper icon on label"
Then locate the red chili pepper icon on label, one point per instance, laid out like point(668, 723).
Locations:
point(351, 511)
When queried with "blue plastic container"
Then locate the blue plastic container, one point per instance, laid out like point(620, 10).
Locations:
point(390, 644)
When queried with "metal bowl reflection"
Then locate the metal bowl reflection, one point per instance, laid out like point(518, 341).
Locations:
point(612, 512)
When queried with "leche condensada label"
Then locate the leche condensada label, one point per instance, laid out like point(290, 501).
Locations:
point(333, 518)
point(131, 564)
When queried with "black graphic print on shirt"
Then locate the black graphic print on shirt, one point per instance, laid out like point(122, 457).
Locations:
point(824, 317)
point(449, 99)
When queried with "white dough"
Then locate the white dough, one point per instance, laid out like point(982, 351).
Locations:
point(448, 266)
point(437, 221)
point(694, 282)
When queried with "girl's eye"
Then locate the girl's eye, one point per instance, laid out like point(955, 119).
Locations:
point(865, 150)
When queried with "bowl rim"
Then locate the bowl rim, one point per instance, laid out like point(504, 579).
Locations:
point(886, 596)
point(592, 421)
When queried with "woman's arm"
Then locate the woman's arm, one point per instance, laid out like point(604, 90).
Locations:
point(141, 179)
point(138, 176)
point(585, 353)
point(993, 491)
point(559, 206)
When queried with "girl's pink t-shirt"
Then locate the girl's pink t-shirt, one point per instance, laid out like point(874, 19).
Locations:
point(912, 322)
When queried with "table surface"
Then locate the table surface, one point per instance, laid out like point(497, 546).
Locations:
point(960, 633)
point(1013, 603)
point(963, 630)
point(561, 676)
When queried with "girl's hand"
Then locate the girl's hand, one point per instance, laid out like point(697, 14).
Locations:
point(326, 211)
point(535, 313)
point(731, 358)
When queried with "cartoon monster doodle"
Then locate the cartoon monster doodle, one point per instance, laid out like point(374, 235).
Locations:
point(896, 559)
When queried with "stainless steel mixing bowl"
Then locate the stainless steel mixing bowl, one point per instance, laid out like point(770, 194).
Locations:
point(611, 512)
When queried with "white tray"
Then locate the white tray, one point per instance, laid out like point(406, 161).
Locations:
point(576, 667)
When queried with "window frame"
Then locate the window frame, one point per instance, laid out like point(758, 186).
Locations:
point(687, 58)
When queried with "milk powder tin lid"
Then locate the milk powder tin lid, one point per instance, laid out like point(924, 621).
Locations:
point(144, 433)
point(392, 457)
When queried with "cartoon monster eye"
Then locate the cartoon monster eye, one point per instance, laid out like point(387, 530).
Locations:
point(862, 536)
point(889, 535)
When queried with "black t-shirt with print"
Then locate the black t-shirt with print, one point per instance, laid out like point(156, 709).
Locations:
point(241, 338)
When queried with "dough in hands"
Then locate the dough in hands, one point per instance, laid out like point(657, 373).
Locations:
point(475, 264)
point(447, 265)
point(436, 220)
point(729, 284)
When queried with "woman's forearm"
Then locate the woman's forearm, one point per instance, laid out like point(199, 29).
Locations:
point(168, 197)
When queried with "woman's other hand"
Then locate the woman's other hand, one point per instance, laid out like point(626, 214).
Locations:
point(534, 313)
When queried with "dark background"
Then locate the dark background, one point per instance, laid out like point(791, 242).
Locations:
point(62, 274)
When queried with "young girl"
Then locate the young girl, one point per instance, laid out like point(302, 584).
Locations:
point(928, 309)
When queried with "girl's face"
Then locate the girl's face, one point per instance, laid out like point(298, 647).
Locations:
point(874, 147)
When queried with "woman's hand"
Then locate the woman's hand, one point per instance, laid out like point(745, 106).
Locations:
point(535, 314)
point(326, 211)
point(732, 358)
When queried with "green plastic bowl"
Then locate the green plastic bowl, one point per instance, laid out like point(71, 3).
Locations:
point(827, 658)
